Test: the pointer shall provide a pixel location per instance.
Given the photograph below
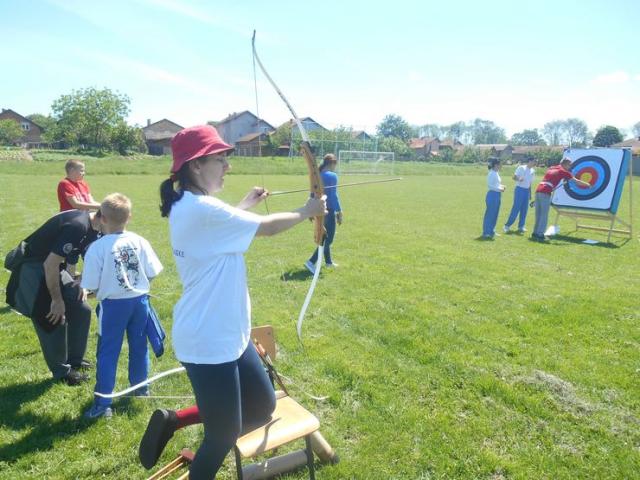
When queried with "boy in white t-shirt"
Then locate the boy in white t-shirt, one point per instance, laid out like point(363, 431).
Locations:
point(523, 176)
point(119, 267)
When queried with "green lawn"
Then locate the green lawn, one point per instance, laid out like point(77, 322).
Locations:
point(442, 356)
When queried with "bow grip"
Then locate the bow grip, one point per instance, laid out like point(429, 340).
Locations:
point(316, 188)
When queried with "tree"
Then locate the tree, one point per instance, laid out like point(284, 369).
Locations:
point(88, 117)
point(395, 126)
point(553, 132)
point(576, 132)
point(455, 131)
point(10, 132)
point(47, 123)
point(395, 145)
point(485, 131)
point(527, 137)
point(430, 130)
point(607, 136)
point(636, 129)
point(126, 139)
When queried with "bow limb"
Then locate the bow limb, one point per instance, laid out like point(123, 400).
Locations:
point(315, 184)
point(133, 388)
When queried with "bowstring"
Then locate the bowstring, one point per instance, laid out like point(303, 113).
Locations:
point(255, 89)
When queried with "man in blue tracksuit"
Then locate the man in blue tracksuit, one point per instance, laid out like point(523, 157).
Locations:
point(523, 176)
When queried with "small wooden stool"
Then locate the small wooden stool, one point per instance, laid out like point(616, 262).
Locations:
point(289, 422)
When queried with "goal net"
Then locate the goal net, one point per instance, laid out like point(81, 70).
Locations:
point(355, 161)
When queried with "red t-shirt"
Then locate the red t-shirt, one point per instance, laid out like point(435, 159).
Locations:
point(68, 188)
point(552, 178)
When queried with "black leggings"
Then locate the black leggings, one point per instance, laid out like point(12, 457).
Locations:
point(232, 398)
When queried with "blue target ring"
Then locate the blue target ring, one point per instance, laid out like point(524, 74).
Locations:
point(593, 170)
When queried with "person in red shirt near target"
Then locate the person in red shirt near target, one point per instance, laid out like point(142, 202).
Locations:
point(552, 178)
point(73, 191)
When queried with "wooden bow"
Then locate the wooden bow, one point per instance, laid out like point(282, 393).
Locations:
point(315, 184)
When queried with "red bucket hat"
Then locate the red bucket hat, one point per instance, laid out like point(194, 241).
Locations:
point(195, 142)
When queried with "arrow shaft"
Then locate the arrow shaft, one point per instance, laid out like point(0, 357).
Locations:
point(285, 192)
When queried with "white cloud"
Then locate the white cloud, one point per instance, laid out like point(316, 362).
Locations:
point(612, 78)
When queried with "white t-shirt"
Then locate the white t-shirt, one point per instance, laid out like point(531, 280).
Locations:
point(119, 265)
point(494, 181)
point(526, 174)
point(212, 319)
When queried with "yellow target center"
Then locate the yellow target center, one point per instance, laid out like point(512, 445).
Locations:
point(586, 177)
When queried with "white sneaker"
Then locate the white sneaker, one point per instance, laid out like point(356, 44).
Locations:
point(505, 229)
point(310, 266)
point(331, 265)
point(522, 230)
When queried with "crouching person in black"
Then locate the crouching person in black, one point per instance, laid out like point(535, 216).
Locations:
point(42, 287)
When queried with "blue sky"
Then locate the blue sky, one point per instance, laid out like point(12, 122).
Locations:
point(517, 63)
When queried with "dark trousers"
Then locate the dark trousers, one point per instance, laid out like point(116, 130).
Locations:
point(232, 398)
point(330, 227)
point(66, 344)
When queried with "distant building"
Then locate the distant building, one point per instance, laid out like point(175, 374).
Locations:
point(499, 150)
point(32, 137)
point(634, 145)
point(158, 136)
point(238, 125)
point(424, 147)
point(450, 144)
point(253, 145)
point(308, 123)
point(360, 135)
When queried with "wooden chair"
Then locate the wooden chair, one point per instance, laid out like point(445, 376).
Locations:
point(289, 422)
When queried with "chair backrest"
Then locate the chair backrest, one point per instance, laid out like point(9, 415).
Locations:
point(264, 336)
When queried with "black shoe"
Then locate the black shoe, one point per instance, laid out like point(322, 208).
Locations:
point(74, 378)
point(162, 425)
point(84, 365)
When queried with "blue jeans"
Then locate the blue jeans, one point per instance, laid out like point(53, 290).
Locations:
point(114, 318)
point(330, 227)
point(491, 214)
point(520, 206)
point(232, 398)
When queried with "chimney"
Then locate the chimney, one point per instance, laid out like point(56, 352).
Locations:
point(148, 122)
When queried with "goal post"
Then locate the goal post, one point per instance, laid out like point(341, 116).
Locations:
point(361, 162)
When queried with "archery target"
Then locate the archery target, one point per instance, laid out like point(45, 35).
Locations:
point(590, 169)
point(604, 169)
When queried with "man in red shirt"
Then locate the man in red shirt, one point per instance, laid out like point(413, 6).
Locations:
point(73, 191)
point(549, 183)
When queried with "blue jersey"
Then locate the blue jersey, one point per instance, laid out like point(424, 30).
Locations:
point(330, 179)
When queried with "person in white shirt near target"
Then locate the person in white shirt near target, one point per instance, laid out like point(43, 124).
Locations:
point(523, 176)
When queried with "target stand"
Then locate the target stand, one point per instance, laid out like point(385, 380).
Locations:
point(605, 170)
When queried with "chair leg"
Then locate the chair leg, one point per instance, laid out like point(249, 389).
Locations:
point(312, 473)
point(238, 462)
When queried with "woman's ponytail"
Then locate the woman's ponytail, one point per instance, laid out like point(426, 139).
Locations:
point(168, 196)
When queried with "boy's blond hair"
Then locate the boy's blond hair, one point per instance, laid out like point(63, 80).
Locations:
point(72, 165)
point(116, 208)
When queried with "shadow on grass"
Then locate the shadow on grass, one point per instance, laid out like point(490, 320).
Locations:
point(43, 431)
point(567, 239)
point(482, 238)
point(295, 275)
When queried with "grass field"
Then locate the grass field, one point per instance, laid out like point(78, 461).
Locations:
point(442, 356)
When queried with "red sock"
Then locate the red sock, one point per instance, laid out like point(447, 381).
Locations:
point(188, 416)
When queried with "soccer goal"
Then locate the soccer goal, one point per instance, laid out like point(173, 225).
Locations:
point(356, 161)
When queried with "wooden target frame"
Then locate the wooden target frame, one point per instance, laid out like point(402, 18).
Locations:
point(614, 225)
